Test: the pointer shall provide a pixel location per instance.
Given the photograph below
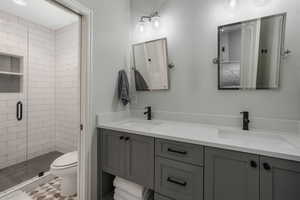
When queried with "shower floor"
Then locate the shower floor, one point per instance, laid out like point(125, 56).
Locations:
point(18, 173)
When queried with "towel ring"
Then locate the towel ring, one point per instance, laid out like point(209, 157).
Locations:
point(286, 52)
point(170, 66)
point(215, 61)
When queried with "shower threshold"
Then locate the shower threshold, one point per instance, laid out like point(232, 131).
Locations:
point(18, 173)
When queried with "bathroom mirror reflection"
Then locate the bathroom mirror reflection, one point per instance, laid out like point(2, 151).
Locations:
point(250, 53)
point(151, 65)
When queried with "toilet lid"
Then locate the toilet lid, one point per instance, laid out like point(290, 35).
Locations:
point(66, 160)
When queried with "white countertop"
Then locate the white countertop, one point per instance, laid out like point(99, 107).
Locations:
point(273, 144)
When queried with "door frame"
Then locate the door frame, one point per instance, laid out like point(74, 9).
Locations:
point(86, 95)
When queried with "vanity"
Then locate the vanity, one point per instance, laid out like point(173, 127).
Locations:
point(189, 161)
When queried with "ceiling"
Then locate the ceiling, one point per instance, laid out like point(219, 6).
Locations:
point(40, 12)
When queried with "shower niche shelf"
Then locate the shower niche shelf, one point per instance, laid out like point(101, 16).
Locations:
point(11, 74)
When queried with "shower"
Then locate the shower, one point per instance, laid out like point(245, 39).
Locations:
point(39, 88)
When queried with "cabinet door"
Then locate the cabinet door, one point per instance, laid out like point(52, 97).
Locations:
point(178, 180)
point(140, 159)
point(113, 152)
point(280, 179)
point(231, 175)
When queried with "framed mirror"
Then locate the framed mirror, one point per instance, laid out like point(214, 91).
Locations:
point(151, 65)
point(250, 53)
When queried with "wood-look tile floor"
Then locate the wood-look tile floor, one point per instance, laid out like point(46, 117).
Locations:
point(18, 173)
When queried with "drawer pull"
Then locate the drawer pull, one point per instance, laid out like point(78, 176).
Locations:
point(177, 151)
point(267, 166)
point(253, 164)
point(181, 183)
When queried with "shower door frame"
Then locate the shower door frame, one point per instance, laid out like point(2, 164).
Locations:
point(87, 126)
point(87, 114)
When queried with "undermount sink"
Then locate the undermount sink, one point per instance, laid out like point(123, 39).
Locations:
point(227, 134)
point(250, 136)
point(140, 123)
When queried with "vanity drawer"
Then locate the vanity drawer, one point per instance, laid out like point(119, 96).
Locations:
point(178, 180)
point(159, 197)
point(184, 152)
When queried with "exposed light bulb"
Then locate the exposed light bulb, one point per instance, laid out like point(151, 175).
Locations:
point(20, 2)
point(156, 21)
point(141, 26)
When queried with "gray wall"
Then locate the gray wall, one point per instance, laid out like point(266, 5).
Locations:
point(191, 29)
point(111, 37)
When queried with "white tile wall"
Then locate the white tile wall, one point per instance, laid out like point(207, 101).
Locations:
point(13, 40)
point(52, 120)
point(67, 89)
point(41, 90)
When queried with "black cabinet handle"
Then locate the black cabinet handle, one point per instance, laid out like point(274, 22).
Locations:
point(177, 151)
point(267, 166)
point(253, 164)
point(180, 183)
point(121, 137)
point(264, 51)
point(127, 138)
point(19, 111)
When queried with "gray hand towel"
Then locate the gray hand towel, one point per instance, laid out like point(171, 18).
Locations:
point(140, 83)
point(123, 87)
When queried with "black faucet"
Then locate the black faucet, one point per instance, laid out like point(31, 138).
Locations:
point(148, 112)
point(246, 120)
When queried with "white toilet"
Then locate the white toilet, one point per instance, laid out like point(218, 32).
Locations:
point(65, 167)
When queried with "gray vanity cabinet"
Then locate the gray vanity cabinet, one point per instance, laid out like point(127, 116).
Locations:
point(140, 160)
point(279, 179)
point(231, 175)
point(181, 171)
point(128, 156)
point(113, 152)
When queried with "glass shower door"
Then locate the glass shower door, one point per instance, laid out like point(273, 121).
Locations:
point(13, 118)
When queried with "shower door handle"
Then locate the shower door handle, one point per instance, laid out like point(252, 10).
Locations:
point(19, 113)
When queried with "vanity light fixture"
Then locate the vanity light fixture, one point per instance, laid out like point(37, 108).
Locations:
point(154, 19)
point(141, 26)
point(20, 2)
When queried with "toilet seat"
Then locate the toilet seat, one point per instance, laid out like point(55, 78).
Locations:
point(66, 161)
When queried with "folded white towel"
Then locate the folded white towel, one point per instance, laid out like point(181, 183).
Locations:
point(118, 197)
point(130, 187)
point(125, 195)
